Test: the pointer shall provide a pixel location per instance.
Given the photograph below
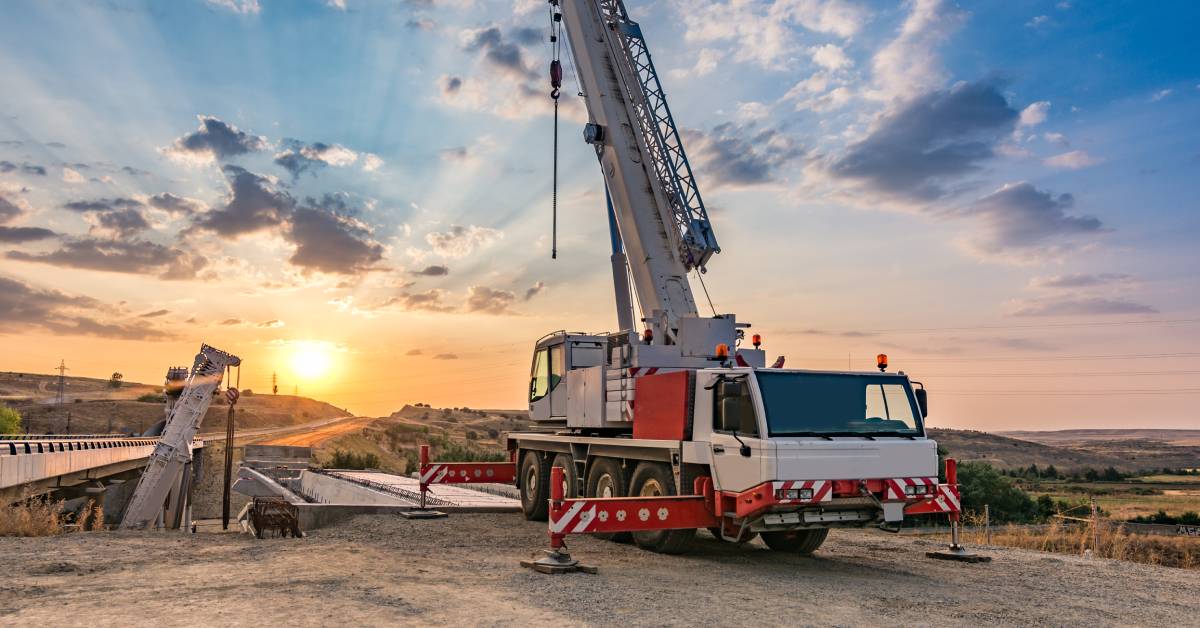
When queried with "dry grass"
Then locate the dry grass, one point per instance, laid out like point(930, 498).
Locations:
point(1113, 542)
point(32, 517)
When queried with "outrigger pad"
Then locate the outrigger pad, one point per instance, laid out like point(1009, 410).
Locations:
point(959, 554)
point(556, 562)
point(418, 513)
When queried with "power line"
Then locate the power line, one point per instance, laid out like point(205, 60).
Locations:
point(905, 330)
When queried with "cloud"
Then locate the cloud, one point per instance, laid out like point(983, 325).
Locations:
point(214, 140)
point(535, 290)
point(499, 51)
point(1034, 114)
point(176, 204)
point(254, 204)
point(103, 205)
point(446, 356)
point(1080, 280)
point(371, 162)
point(430, 301)
point(765, 33)
point(1039, 21)
point(121, 223)
point(1161, 94)
point(271, 324)
point(732, 154)
point(20, 235)
point(707, 61)
point(330, 239)
point(909, 65)
point(24, 307)
point(154, 314)
point(298, 157)
point(830, 57)
point(414, 352)
point(8, 210)
point(1021, 218)
point(73, 177)
point(914, 149)
point(24, 168)
point(138, 257)
point(1083, 306)
point(489, 301)
point(230, 322)
point(1073, 160)
point(433, 271)
point(241, 7)
point(461, 241)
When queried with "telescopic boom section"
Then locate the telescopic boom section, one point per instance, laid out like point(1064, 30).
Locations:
point(661, 217)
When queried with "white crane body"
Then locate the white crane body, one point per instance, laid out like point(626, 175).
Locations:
point(784, 452)
point(164, 476)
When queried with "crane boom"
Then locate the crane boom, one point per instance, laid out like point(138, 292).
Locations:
point(660, 215)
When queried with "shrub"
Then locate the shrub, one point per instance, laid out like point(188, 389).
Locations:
point(152, 398)
point(493, 433)
point(10, 421)
point(471, 435)
point(32, 517)
point(981, 484)
point(350, 460)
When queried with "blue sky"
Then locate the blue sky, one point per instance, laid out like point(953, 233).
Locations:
point(1001, 195)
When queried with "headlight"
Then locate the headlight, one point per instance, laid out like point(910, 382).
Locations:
point(793, 494)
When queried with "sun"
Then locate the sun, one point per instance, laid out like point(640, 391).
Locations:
point(311, 360)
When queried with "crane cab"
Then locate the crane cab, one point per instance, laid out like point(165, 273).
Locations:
point(558, 360)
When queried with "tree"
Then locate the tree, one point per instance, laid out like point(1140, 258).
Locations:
point(1050, 473)
point(10, 421)
point(115, 380)
point(1112, 475)
point(981, 484)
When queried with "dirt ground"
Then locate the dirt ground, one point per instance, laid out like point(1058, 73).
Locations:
point(377, 570)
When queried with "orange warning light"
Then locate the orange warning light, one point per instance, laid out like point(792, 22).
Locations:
point(881, 362)
point(756, 340)
point(722, 351)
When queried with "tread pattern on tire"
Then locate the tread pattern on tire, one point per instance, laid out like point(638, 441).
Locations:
point(803, 542)
point(612, 466)
point(540, 509)
point(663, 541)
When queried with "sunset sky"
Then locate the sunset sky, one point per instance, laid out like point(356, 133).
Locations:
point(355, 194)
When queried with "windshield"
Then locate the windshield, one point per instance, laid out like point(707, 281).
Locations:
point(830, 405)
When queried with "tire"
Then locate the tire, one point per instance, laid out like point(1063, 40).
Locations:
point(535, 484)
point(653, 479)
point(607, 479)
point(570, 481)
point(803, 542)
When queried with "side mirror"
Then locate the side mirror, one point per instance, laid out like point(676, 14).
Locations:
point(729, 414)
point(922, 401)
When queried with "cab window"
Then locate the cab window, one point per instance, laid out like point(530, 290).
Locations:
point(558, 364)
point(733, 409)
point(539, 379)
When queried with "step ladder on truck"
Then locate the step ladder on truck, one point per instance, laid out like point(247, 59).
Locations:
point(682, 427)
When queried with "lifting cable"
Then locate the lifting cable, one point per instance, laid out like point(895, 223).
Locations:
point(555, 85)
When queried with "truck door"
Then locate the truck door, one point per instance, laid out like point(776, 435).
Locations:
point(737, 448)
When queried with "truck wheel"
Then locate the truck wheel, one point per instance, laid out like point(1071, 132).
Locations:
point(803, 542)
point(535, 485)
point(654, 479)
point(570, 482)
point(606, 479)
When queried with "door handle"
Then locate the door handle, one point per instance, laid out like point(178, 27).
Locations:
point(718, 449)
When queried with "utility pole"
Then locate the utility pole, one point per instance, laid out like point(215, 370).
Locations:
point(68, 422)
point(274, 383)
point(62, 381)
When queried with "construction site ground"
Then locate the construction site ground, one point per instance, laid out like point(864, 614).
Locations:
point(378, 570)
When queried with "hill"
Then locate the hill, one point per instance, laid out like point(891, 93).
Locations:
point(1129, 454)
point(95, 407)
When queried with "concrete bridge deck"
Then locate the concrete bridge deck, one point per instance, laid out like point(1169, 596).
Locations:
point(37, 464)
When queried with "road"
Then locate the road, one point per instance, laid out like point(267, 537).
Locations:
point(310, 438)
point(462, 571)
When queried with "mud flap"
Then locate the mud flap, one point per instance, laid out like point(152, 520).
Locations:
point(893, 512)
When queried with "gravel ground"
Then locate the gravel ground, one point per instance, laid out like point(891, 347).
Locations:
point(377, 570)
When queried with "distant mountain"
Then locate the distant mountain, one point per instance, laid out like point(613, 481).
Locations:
point(1127, 450)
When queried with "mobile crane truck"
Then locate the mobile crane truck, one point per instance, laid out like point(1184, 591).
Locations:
point(682, 427)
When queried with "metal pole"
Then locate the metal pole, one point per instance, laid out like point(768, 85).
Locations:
point(421, 473)
point(1095, 529)
point(987, 522)
point(228, 468)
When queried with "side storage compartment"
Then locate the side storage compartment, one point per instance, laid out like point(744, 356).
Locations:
point(665, 406)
